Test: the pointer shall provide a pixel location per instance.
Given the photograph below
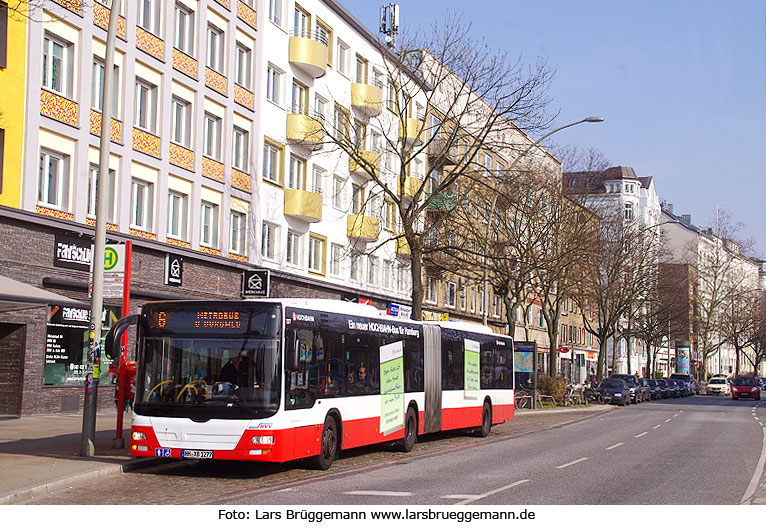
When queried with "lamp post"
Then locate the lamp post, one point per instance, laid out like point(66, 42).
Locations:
point(485, 272)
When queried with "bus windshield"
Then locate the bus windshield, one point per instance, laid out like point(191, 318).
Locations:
point(200, 374)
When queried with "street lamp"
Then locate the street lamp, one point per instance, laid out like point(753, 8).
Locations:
point(485, 281)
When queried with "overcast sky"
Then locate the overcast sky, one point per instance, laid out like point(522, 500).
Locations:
point(681, 85)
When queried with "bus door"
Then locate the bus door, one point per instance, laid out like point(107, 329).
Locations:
point(432, 345)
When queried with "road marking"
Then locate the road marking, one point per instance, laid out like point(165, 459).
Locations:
point(657, 426)
point(379, 493)
point(289, 489)
point(641, 434)
point(614, 446)
point(573, 462)
point(753, 486)
point(490, 493)
point(470, 497)
point(668, 420)
point(674, 416)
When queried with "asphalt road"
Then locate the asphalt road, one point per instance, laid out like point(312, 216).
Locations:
point(696, 450)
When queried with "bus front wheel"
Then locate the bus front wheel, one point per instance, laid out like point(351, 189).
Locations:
point(410, 432)
point(329, 450)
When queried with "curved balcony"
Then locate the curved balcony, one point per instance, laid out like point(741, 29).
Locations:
point(309, 53)
point(363, 227)
point(371, 161)
point(402, 247)
point(304, 205)
point(366, 99)
point(411, 131)
point(411, 187)
point(305, 130)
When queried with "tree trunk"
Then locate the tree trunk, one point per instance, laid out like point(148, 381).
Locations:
point(416, 267)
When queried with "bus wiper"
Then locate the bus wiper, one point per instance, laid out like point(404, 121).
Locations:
point(232, 401)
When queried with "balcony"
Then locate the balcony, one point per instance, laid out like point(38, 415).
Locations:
point(305, 130)
point(440, 201)
point(411, 130)
point(402, 247)
point(309, 53)
point(304, 205)
point(366, 163)
point(441, 154)
point(411, 186)
point(362, 227)
point(366, 99)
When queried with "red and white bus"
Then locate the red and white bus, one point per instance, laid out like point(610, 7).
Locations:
point(283, 379)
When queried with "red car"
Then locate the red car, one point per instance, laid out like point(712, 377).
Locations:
point(745, 387)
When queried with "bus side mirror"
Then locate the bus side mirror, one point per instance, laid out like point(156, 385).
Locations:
point(291, 351)
point(113, 337)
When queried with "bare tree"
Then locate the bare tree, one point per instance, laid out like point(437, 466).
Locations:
point(477, 101)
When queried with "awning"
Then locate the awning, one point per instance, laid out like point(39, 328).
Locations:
point(15, 295)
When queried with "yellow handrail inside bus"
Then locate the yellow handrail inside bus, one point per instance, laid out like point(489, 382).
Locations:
point(190, 384)
point(159, 385)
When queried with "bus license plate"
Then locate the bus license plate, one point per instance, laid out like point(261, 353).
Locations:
point(198, 454)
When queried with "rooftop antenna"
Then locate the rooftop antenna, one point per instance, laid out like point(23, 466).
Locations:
point(389, 24)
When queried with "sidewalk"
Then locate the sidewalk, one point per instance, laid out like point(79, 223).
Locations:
point(40, 455)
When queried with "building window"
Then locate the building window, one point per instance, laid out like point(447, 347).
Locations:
point(293, 249)
point(178, 212)
point(237, 233)
point(301, 23)
point(57, 65)
point(316, 254)
point(241, 151)
point(432, 286)
point(337, 192)
point(344, 56)
point(324, 34)
point(450, 295)
point(388, 267)
point(300, 98)
point(3, 46)
point(271, 163)
point(361, 70)
point(149, 15)
point(296, 177)
point(628, 211)
point(212, 144)
point(357, 199)
point(356, 268)
point(244, 66)
point(53, 184)
point(373, 275)
point(336, 255)
point(93, 193)
point(215, 48)
point(146, 106)
point(181, 125)
point(209, 225)
point(184, 28)
point(274, 84)
point(463, 297)
point(497, 304)
point(389, 214)
point(275, 11)
point(141, 205)
point(97, 87)
point(268, 241)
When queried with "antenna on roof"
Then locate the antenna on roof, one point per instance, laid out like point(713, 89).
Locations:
point(389, 23)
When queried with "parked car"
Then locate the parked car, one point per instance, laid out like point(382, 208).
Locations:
point(745, 387)
point(655, 391)
point(613, 391)
point(632, 381)
point(686, 378)
point(646, 392)
point(664, 389)
point(673, 388)
point(717, 386)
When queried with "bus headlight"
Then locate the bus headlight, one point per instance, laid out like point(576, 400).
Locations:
point(263, 439)
point(138, 436)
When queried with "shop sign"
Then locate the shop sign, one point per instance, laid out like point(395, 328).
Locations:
point(255, 283)
point(399, 310)
point(174, 270)
point(72, 253)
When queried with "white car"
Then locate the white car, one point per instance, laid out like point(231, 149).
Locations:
point(717, 386)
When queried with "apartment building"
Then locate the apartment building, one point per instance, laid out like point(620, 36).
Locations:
point(217, 167)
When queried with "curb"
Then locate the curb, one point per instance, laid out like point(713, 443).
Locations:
point(551, 410)
point(104, 472)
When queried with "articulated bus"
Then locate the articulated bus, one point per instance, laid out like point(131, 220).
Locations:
point(283, 379)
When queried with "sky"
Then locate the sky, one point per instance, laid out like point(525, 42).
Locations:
point(681, 85)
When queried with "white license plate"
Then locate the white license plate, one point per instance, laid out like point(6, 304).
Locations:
point(197, 454)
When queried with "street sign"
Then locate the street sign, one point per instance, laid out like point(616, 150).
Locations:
point(174, 269)
point(114, 271)
point(255, 283)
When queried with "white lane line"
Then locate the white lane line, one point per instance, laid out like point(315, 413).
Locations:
point(379, 493)
point(753, 486)
point(614, 446)
point(289, 489)
point(641, 434)
point(470, 497)
point(668, 420)
point(490, 493)
point(574, 462)
point(674, 416)
point(657, 426)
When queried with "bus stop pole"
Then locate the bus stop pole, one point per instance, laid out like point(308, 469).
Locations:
point(122, 369)
point(93, 361)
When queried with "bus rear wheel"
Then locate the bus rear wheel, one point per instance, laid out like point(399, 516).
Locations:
point(410, 432)
point(486, 421)
point(329, 450)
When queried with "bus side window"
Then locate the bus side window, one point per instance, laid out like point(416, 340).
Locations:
point(413, 359)
point(452, 364)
